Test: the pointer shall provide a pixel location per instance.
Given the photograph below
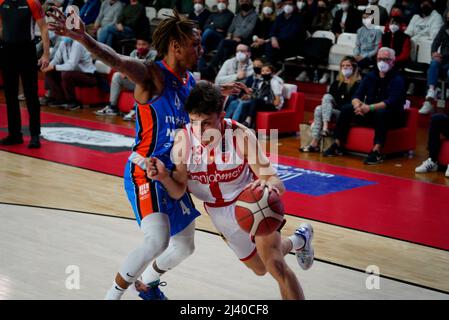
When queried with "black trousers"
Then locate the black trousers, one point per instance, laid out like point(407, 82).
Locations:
point(20, 60)
point(381, 120)
point(439, 125)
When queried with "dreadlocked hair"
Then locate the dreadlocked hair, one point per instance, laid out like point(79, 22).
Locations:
point(172, 28)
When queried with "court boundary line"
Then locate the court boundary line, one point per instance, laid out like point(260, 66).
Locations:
point(286, 213)
point(217, 234)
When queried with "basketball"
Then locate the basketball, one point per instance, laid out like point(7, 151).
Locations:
point(259, 212)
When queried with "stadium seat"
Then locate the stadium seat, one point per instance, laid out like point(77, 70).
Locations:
point(360, 139)
point(344, 47)
point(91, 95)
point(286, 120)
point(444, 152)
point(151, 13)
point(125, 101)
point(41, 91)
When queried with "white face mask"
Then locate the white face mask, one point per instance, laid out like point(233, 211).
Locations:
point(300, 5)
point(276, 1)
point(267, 10)
point(197, 7)
point(383, 66)
point(344, 6)
point(240, 56)
point(221, 6)
point(288, 9)
point(346, 72)
point(394, 27)
point(368, 22)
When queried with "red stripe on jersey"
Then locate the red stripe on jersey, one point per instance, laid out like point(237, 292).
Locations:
point(175, 74)
point(36, 9)
point(214, 186)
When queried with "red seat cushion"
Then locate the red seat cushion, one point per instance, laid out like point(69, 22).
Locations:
point(126, 101)
point(91, 95)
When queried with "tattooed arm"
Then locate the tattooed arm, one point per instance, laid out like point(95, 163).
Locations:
point(146, 76)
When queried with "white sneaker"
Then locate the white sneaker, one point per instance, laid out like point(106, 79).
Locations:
point(431, 94)
point(426, 108)
point(129, 116)
point(302, 77)
point(427, 166)
point(411, 89)
point(305, 256)
point(324, 78)
point(446, 174)
point(106, 111)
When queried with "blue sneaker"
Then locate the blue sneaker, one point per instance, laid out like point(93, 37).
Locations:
point(151, 291)
point(305, 255)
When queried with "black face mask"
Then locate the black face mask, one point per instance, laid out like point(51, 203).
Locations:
point(257, 70)
point(245, 7)
point(266, 77)
point(426, 10)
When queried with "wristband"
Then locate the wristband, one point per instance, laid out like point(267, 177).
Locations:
point(371, 108)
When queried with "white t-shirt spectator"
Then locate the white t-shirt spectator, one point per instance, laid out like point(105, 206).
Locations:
point(73, 57)
point(426, 28)
point(229, 71)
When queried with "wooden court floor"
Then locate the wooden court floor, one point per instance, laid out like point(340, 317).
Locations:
point(407, 270)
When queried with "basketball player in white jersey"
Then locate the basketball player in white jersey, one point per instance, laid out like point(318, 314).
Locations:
point(214, 161)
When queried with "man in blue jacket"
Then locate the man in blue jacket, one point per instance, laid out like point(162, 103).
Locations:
point(378, 102)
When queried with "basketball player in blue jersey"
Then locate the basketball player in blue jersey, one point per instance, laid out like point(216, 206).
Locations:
point(161, 90)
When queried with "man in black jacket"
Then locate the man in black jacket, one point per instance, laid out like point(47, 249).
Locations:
point(348, 19)
point(216, 26)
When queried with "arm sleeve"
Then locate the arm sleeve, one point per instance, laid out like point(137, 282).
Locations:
point(411, 27)
point(395, 98)
point(100, 14)
point(57, 59)
point(223, 77)
point(361, 90)
point(373, 52)
point(74, 58)
point(36, 9)
point(436, 26)
point(357, 44)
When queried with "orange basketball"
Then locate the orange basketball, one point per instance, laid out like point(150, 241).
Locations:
point(259, 212)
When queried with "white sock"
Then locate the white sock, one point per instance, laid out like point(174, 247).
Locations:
point(297, 241)
point(150, 275)
point(115, 293)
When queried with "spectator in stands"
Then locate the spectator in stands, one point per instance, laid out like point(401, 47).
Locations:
point(367, 43)
point(439, 125)
point(440, 63)
point(397, 40)
point(278, 7)
point(71, 67)
point(127, 24)
point(238, 68)
point(397, 12)
point(410, 8)
point(340, 94)
point(263, 28)
point(236, 105)
point(287, 34)
point(110, 10)
point(200, 13)
point(240, 31)
point(19, 61)
point(216, 26)
point(378, 101)
point(267, 96)
point(311, 10)
point(373, 8)
point(89, 12)
point(120, 83)
point(323, 20)
point(348, 19)
point(426, 24)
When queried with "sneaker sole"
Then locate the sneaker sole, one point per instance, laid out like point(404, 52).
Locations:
point(311, 249)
